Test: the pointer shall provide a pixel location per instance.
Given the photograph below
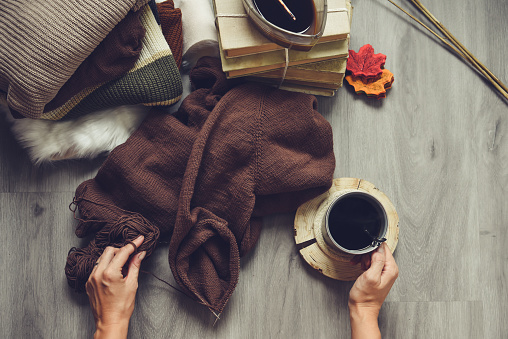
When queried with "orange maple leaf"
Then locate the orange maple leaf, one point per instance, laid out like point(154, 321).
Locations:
point(372, 88)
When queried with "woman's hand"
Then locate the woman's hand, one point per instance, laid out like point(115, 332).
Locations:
point(369, 292)
point(111, 292)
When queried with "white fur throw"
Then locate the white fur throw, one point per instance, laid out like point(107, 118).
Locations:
point(84, 137)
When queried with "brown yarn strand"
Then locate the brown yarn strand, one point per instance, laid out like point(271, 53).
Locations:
point(202, 302)
point(164, 281)
point(456, 46)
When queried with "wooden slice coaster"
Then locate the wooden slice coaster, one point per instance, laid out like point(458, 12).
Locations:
point(309, 239)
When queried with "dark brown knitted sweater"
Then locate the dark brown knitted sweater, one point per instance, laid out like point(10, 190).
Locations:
point(114, 56)
point(171, 25)
point(203, 178)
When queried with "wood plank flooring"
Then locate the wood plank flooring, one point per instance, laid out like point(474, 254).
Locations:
point(437, 146)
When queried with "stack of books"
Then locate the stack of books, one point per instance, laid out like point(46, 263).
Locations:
point(246, 52)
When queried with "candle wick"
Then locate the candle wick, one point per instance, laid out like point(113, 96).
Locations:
point(287, 9)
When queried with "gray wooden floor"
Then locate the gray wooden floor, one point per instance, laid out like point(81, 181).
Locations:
point(437, 146)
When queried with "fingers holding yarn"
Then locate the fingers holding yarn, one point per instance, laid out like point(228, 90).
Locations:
point(107, 255)
point(126, 229)
point(123, 255)
point(81, 261)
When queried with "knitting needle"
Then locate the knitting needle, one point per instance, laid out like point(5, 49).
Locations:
point(287, 9)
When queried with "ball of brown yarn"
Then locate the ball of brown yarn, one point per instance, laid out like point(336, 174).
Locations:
point(80, 261)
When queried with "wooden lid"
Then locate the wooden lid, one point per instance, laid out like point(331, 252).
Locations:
point(309, 239)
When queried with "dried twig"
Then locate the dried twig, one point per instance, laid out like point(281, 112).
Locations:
point(456, 46)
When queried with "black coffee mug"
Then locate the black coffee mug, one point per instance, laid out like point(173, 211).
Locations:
point(355, 222)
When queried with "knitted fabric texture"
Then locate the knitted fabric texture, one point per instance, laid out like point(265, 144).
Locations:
point(153, 7)
point(171, 25)
point(154, 80)
point(114, 56)
point(204, 177)
point(44, 42)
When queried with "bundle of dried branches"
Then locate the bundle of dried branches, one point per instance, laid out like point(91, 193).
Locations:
point(450, 41)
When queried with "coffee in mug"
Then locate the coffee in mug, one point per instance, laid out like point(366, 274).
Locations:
point(355, 223)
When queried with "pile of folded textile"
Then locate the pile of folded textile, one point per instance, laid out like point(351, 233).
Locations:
point(72, 58)
point(83, 74)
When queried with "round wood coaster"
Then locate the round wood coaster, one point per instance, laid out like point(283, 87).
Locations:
point(309, 239)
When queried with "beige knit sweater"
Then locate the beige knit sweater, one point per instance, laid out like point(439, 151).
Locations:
point(43, 42)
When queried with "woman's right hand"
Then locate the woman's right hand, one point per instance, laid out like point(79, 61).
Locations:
point(112, 290)
point(369, 292)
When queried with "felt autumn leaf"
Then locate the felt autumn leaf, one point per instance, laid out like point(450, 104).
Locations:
point(365, 63)
point(375, 88)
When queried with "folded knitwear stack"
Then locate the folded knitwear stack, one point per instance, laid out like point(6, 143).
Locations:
point(76, 57)
point(203, 178)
